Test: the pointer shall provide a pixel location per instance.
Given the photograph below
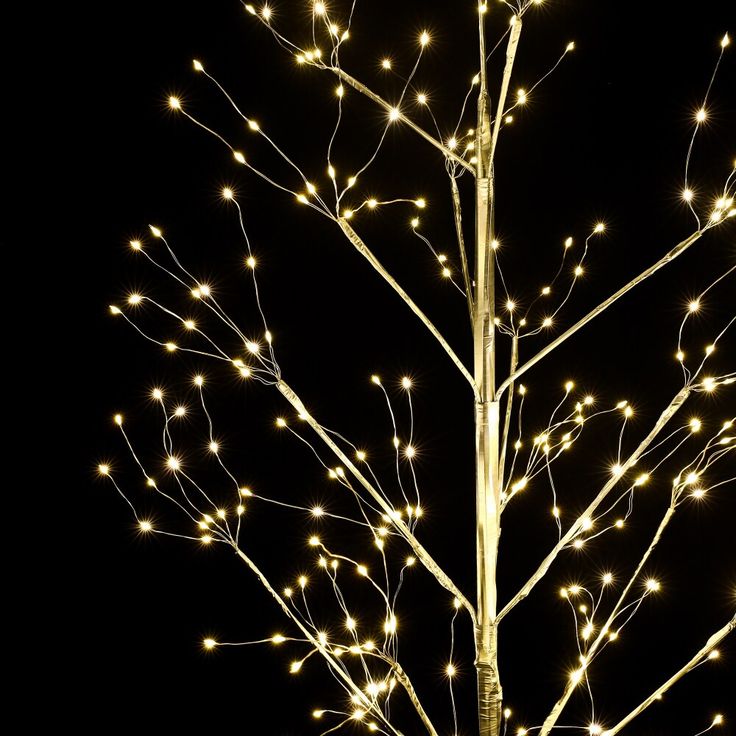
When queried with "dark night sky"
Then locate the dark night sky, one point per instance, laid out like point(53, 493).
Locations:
point(603, 138)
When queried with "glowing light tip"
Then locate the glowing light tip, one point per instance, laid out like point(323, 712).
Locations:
point(103, 469)
point(174, 103)
point(227, 193)
point(135, 244)
point(424, 38)
point(570, 46)
point(209, 643)
point(118, 419)
point(156, 232)
point(653, 585)
point(394, 114)
point(599, 228)
point(725, 41)
point(319, 8)
point(700, 115)
point(197, 66)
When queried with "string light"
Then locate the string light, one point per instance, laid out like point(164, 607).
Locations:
point(389, 512)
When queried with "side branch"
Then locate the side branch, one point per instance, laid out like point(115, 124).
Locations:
point(711, 644)
point(363, 249)
point(676, 251)
point(576, 527)
point(458, 213)
point(422, 555)
point(355, 84)
point(332, 662)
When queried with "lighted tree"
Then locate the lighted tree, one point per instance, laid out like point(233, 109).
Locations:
point(512, 458)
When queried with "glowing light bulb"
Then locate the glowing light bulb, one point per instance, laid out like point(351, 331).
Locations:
point(174, 103)
point(520, 97)
point(209, 643)
point(450, 670)
point(421, 203)
point(607, 578)
point(570, 46)
point(725, 41)
point(103, 469)
point(394, 114)
point(700, 115)
point(319, 8)
point(135, 244)
point(599, 228)
point(173, 463)
point(386, 63)
point(424, 38)
point(197, 66)
point(422, 98)
point(238, 156)
point(227, 193)
point(652, 585)
point(688, 194)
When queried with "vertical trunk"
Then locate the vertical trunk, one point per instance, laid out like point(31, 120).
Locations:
point(487, 435)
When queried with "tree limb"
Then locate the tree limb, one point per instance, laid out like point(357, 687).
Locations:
point(670, 256)
point(713, 642)
point(363, 249)
point(541, 571)
point(424, 557)
point(355, 84)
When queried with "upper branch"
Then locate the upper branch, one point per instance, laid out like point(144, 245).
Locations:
point(355, 84)
point(667, 258)
point(363, 249)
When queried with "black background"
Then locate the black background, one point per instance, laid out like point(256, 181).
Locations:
point(604, 138)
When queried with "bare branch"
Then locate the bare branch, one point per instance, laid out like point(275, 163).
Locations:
point(541, 571)
point(711, 644)
point(670, 256)
point(458, 213)
point(355, 84)
point(363, 249)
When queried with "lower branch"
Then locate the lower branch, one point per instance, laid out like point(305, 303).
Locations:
point(711, 644)
point(402, 677)
point(572, 684)
point(422, 555)
point(541, 571)
point(332, 662)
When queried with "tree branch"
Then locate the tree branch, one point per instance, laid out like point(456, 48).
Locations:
point(676, 251)
point(713, 642)
point(424, 557)
point(333, 663)
point(589, 653)
point(458, 213)
point(541, 571)
point(355, 84)
point(363, 249)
